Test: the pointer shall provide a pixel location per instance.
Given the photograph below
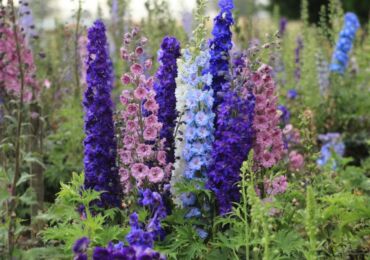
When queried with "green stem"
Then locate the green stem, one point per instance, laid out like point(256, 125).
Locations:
point(77, 57)
point(13, 203)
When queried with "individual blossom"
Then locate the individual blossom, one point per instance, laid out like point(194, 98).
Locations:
point(165, 92)
point(284, 114)
point(80, 248)
point(268, 145)
point(143, 153)
point(101, 173)
point(292, 94)
point(344, 44)
point(220, 47)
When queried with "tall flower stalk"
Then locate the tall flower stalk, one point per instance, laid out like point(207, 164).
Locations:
point(165, 89)
point(100, 145)
point(268, 145)
point(344, 44)
point(220, 47)
point(195, 107)
point(233, 141)
point(143, 156)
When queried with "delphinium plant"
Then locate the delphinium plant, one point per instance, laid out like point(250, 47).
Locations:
point(143, 156)
point(234, 109)
point(165, 87)
point(194, 147)
point(101, 172)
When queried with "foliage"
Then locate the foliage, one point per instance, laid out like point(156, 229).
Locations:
point(71, 218)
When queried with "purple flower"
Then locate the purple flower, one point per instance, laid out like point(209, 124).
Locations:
point(26, 21)
point(285, 114)
point(282, 25)
point(81, 245)
point(220, 47)
point(165, 92)
point(292, 94)
point(233, 141)
point(298, 54)
point(100, 146)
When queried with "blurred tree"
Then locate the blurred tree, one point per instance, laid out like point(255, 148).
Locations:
point(290, 8)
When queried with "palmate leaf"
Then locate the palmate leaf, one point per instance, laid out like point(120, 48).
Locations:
point(24, 178)
point(288, 242)
point(184, 244)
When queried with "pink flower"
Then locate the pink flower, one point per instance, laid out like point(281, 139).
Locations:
point(161, 157)
point(156, 175)
point(151, 120)
point(150, 133)
point(140, 93)
point(143, 40)
point(150, 82)
point(287, 129)
point(296, 161)
point(129, 141)
point(132, 109)
point(125, 156)
point(124, 175)
point(127, 38)
point(124, 53)
point(139, 50)
point(267, 160)
point(126, 79)
point(168, 170)
point(151, 105)
point(139, 171)
point(261, 122)
point(131, 125)
point(135, 31)
point(47, 83)
point(136, 69)
point(144, 150)
point(125, 97)
point(277, 186)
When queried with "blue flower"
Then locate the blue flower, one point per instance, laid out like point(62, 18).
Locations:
point(196, 163)
point(188, 199)
point(193, 213)
point(201, 233)
point(201, 118)
point(344, 44)
point(331, 143)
